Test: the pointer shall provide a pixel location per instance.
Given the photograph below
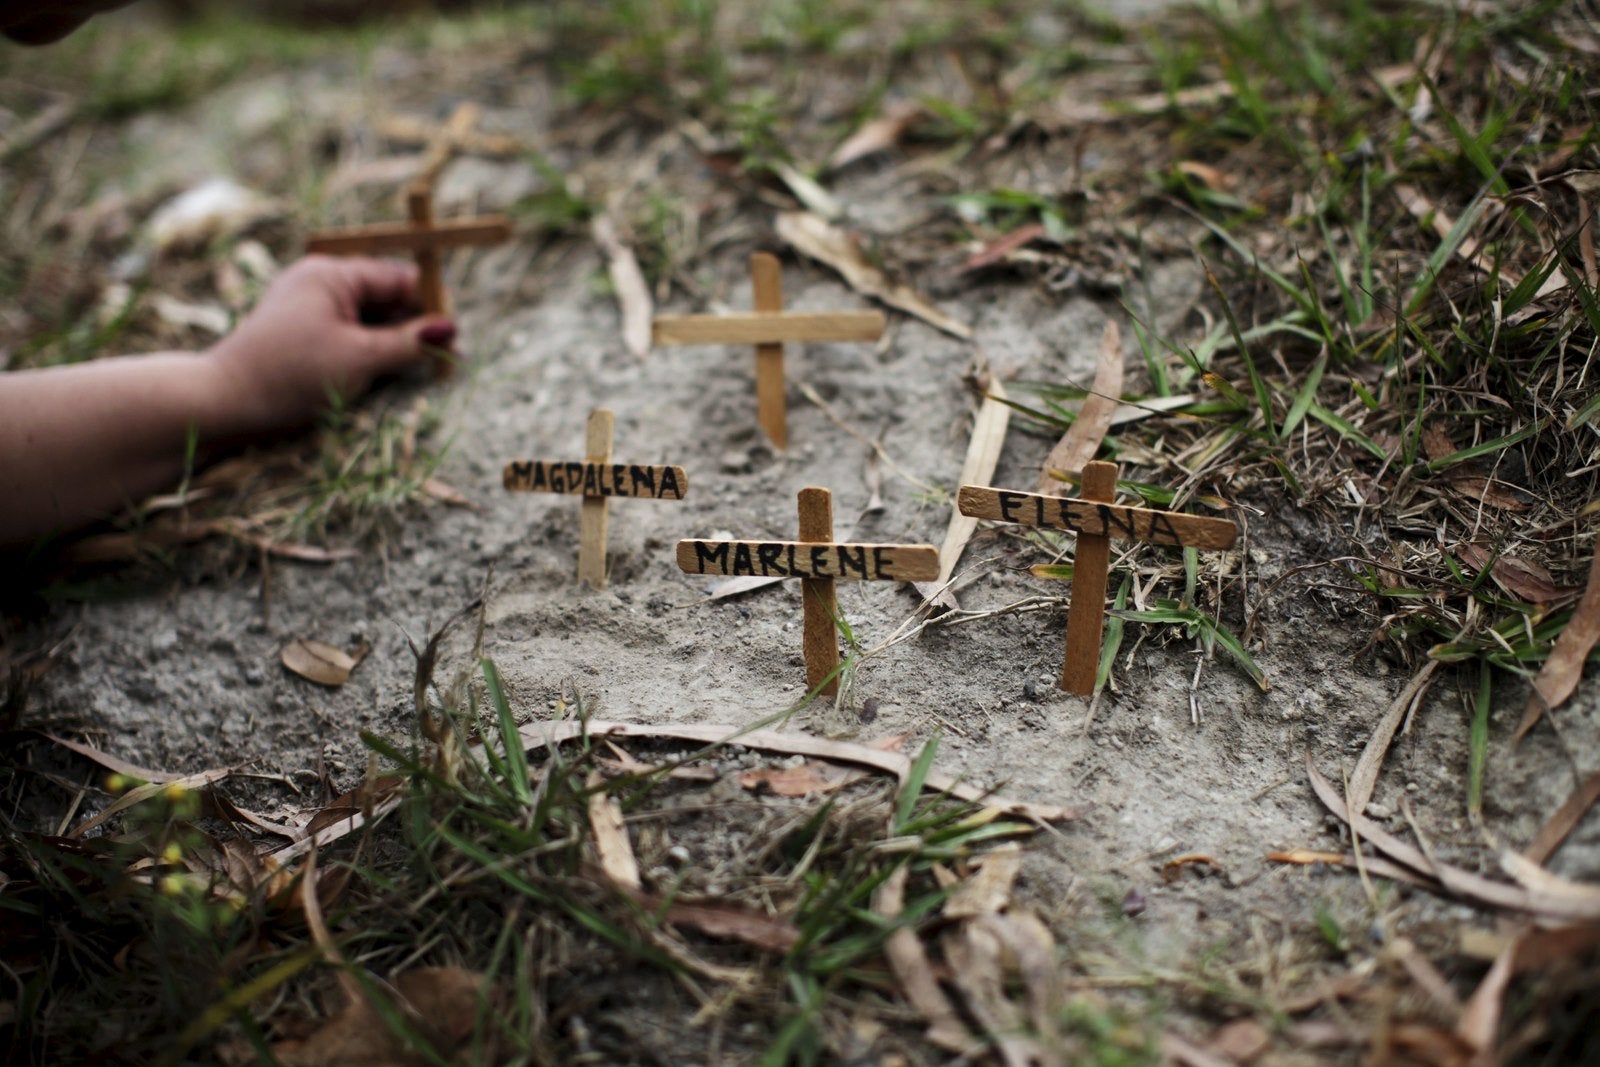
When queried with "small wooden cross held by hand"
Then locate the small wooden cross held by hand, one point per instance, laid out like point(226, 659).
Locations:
point(422, 237)
point(768, 327)
point(597, 479)
point(1097, 520)
point(817, 561)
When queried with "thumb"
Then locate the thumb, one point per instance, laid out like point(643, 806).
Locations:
point(393, 348)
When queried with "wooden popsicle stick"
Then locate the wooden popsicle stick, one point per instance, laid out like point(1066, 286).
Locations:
point(592, 521)
point(1086, 610)
point(445, 143)
point(1096, 517)
point(810, 559)
point(390, 238)
point(595, 479)
point(766, 279)
point(767, 327)
point(821, 605)
point(405, 130)
point(430, 278)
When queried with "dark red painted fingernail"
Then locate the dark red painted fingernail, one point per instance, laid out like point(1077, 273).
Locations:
point(438, 334)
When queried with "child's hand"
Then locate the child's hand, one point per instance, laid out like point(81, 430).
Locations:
point(305, 343)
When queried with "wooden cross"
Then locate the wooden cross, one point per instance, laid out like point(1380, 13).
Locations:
point(423, 237)
point(440, 144)
point(768, 327)
point(1097, 520)
point(818, 562)
point(597, 479)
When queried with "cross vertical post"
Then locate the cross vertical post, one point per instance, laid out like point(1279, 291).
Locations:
point(766, 280)
point(430, 276)
point(1086, 608)
point(1095, 519)
point(592, 517)
point(818, 561)
point(821, 601)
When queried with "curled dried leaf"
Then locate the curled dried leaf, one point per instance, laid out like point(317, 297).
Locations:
point(317, 661)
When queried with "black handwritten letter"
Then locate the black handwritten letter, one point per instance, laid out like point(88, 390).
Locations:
point(769, 555)
point(645, 477)
point(712, 552)
point(1010, 504)
point(882, 562)
point(857, 564)
point(742, 563)
point(518, 474)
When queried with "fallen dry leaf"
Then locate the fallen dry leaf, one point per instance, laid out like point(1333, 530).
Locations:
point(317, 661)
point(633, 293)
point(611, 842)
point(983, 456)
point(989, 890)
point(1172, 870)
point(1364, 779)
point(537, 735)
point(879, 134)
point(1560, 674)
point(447, 494)
point(731, 922)
point(1490, 491)
point(1000, 248)
point(821, 240)
point(1205, 174)
point(441, 1003)
point(1564, 821)
point(908, 960)
point(804, 780)
point(1554, 899)
point(1519, 577)
point(112, 763)
point(1084, 437)
point(1242, 1041)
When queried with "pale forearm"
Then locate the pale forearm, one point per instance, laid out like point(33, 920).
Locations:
point(81, 442)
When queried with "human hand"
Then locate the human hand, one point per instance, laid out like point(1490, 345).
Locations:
point(306, 343)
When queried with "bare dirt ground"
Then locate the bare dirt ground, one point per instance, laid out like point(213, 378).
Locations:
point(1183, 755)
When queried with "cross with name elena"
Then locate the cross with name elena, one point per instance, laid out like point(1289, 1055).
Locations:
point(597, 480)
point(818, 562)
point(1096, 520)
point(768, 327)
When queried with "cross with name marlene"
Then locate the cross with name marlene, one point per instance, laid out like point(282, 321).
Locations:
point(597, 480)
point(818, 562)
point(1096, 520)
point(768, 327)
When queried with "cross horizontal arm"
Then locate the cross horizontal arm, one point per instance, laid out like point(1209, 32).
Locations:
point(767, 327)
point(389, 238)
point(810, 559)
point(1093, 517)
point(596, 479)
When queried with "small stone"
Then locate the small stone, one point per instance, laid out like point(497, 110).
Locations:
point(254, 676)
point(678, 854)
point(1379, 811)
point(164, 640)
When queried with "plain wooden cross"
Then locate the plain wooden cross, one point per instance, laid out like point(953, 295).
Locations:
point(440, 144)
point(423, 237)
point(768, 327)
point(818, 561)
point(1097, 520)
point(597, 479)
